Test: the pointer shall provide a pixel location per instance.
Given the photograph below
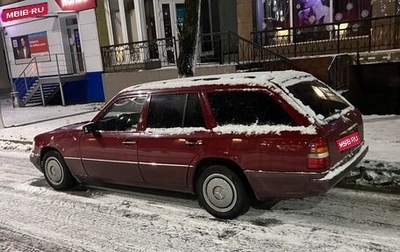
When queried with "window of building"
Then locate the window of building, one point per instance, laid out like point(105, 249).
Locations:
point(123, 21)
point(274, 19)
point(276, 14)
point(398, 7)
point(347, 13)
point(130, 18)
point(351, 10)
point(116, 26)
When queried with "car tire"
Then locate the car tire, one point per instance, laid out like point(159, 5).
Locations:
point(56, 171)
point(221, 192)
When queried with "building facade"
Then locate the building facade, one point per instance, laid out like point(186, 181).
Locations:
point(284, 14)
point(141, 20)
point(58, 36)
point(128, 25)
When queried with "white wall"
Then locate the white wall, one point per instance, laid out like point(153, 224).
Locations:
point(90, 40)
point(51, 27)
point(88, 34)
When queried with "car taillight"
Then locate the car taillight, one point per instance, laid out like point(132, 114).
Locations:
point(318, 156)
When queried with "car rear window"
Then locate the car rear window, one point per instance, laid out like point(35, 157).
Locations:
point(320, 98)
point(247, 108)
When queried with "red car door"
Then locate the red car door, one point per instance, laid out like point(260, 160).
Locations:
point(109, 154)
point(165, 158)
point(175, 136)
point(111, 157)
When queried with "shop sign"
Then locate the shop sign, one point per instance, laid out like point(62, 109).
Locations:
point(28, 11)
point(76, 5)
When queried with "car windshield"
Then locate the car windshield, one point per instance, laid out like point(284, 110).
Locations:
point(320, 98)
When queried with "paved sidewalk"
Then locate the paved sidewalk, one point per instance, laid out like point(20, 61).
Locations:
point(22, 124)
point(17, 116)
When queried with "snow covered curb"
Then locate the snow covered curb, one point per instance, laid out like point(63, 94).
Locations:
point(20, 145)
point(374, 175)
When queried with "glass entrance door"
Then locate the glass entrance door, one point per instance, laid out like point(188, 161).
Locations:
point(75, 46)
point(172, 15)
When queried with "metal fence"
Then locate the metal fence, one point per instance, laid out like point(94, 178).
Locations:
point(230, 48)
point(364, 35)
point(58, 64)
point(220, 48)
point(139, 55)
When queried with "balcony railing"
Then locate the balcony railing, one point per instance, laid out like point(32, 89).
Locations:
point(230, 48)
point(59, 64)
point(139, 55)
point(215, 48)
point(365, 35)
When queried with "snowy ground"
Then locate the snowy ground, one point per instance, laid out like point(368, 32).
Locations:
point(34, 217)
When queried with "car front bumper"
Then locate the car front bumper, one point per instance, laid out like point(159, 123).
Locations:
point(280, 185)
point(35, 159)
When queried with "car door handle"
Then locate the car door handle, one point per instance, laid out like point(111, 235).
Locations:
point(129, 142)
point(193, 142)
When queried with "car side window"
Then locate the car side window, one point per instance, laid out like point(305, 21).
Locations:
point(123, 115)
point(247, 108)
point(175, 110)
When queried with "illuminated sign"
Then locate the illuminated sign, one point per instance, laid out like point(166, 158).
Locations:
point(76, 5)
point(28, 11)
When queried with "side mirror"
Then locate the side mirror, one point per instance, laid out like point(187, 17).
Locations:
point(89, 128)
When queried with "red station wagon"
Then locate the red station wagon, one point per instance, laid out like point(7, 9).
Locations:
point(226, 138)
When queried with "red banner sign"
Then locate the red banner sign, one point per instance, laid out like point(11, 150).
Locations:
point(76, 5)
point(28, 11)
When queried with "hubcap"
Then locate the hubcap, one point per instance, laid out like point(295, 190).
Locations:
point(54, 171)
point(219, 192)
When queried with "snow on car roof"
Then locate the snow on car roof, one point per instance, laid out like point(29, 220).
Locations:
point(282, 78)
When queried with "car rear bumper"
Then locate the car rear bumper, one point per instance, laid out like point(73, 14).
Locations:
point(269, 185)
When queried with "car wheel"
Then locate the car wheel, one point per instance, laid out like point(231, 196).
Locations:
point(56, 171)
point(222, 193)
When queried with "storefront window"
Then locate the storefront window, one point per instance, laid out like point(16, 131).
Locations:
point(271, 15)
point(309, 17)
point(116, 22)
point(180, 16)
point(151, 28)
point(130, 18)
point(351, 10)
point(398, 7)
point(312, 12)
point(276, 14)
point(350, 15)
